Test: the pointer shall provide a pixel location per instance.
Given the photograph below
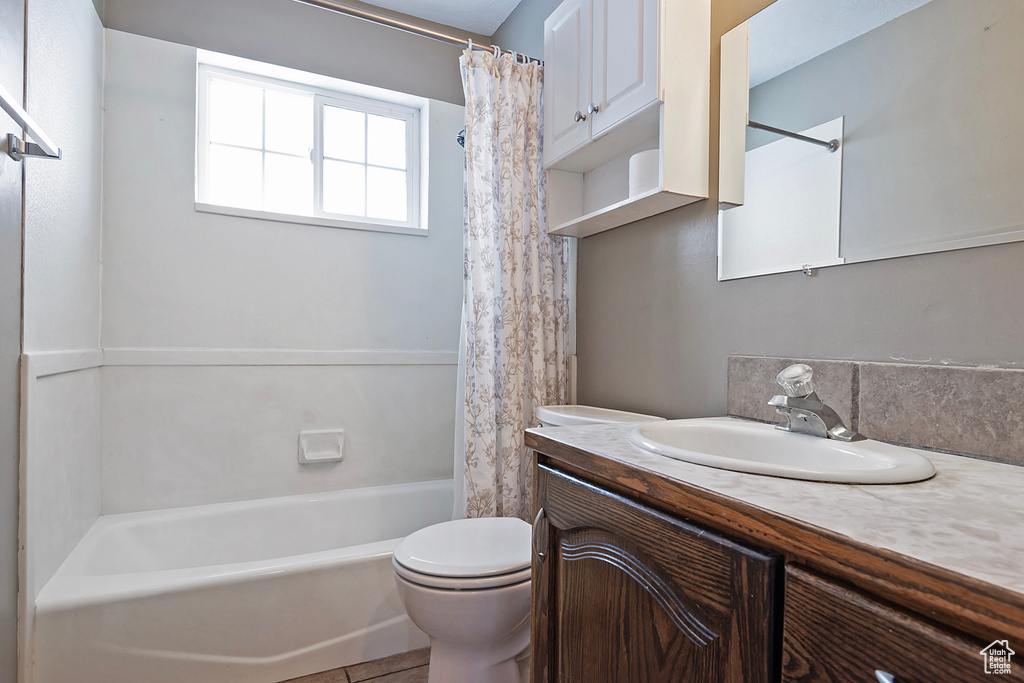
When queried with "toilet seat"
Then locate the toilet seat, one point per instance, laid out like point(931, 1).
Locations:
point(466, 554)
point(460, 583)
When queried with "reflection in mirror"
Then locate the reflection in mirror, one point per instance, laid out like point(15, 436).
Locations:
point(926, 99)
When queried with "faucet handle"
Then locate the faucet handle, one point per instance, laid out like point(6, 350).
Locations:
point(796, 380)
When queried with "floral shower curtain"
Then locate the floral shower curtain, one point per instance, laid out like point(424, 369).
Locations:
point(515, 311)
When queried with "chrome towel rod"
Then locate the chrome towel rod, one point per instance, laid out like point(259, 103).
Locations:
point(17, 148)
point(830, 145)
point(415, 29)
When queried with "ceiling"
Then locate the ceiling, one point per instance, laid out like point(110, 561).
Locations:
point(791, 32)
point(477, 16)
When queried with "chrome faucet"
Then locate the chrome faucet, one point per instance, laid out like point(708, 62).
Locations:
point(804, 411)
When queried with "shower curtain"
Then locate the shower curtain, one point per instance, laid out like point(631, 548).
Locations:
point(513, 355)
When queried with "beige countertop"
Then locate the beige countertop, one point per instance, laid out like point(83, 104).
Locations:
point(968, 518)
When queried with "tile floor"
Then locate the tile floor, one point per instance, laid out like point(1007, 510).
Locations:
point(408, 667)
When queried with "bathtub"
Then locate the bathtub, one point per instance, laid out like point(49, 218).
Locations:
point(257, 591)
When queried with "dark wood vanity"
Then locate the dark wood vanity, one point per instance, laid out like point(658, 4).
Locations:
point(638, 576)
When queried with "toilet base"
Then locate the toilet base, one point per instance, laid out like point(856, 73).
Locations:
point(476, 635)
point(454, 663)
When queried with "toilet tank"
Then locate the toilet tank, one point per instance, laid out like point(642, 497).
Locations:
point(563, 416)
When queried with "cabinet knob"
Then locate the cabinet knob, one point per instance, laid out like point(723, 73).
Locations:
point(593, 108)
point(540, 534)
point(884, 677)
point(580, 116)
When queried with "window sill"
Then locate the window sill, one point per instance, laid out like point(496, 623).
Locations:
point(308, 220)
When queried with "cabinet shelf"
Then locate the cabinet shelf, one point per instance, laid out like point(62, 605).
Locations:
point(624, 212)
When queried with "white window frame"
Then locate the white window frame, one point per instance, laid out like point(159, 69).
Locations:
point(321, 97)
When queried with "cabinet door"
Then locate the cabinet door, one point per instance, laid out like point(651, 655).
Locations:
point(624, 593)
point(833, 633)
point(625, 60)
point(567, 41)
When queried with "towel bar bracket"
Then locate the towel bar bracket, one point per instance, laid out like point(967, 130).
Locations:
point(18, 149)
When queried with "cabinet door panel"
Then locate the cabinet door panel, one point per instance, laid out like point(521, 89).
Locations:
point(625, 59)
point(567, 41)
point(833, 633)
point(623, 592)
point(647, 632)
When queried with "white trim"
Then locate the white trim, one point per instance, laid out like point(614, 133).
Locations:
point(257, 357)
point(308, 220)
point(46, 363)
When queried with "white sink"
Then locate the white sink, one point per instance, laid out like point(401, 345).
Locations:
point(757, 448)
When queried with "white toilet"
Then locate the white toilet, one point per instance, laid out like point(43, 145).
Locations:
point(466, 583)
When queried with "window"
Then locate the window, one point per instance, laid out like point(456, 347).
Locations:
point(268, 148)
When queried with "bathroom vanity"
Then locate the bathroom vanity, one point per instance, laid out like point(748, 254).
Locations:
point(651, 569)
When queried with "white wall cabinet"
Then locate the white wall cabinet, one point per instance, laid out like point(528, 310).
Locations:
point(567, 40)
point(601, 61)
point(621, 77)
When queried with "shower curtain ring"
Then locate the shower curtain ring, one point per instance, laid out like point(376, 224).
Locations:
point(470, 47)
point(497, 52)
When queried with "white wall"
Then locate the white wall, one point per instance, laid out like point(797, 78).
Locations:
point(60, 394)
point(178, 436)
point(182, 426)
point(62, 198)
point(177, 278)
point(12, 77)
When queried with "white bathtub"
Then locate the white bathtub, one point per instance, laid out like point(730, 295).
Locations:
point(257, 591)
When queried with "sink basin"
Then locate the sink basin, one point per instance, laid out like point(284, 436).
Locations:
point(757, 448)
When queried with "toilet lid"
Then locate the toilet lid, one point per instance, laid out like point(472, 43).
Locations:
point(467, 547)
point(461, 583)
point(564, 416)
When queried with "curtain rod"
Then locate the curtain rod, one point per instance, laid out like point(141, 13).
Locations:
point(382, 20)
point(830, 145)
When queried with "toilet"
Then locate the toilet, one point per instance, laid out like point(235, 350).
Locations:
point(565, 416)
point(466, 583)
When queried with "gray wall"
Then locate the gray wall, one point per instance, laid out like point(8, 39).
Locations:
point(655, 326)
point(523, 31)
point(303, 37)
point(12, 48)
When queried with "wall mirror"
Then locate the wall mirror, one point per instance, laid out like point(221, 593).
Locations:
point(925, 102)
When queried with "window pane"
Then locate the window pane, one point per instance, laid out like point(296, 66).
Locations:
point(235, 113)
point(234, 177)
point(387, 141)
point(288, 184)
point(385, 194)
point(344, 188)
point(344, 134)
point(289, 122)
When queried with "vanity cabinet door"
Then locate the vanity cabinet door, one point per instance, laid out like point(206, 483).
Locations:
point(567, 41)
point(832, 633)
point(625, 60)
point(623, 593)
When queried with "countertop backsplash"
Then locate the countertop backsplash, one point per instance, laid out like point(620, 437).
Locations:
point(977, 412)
